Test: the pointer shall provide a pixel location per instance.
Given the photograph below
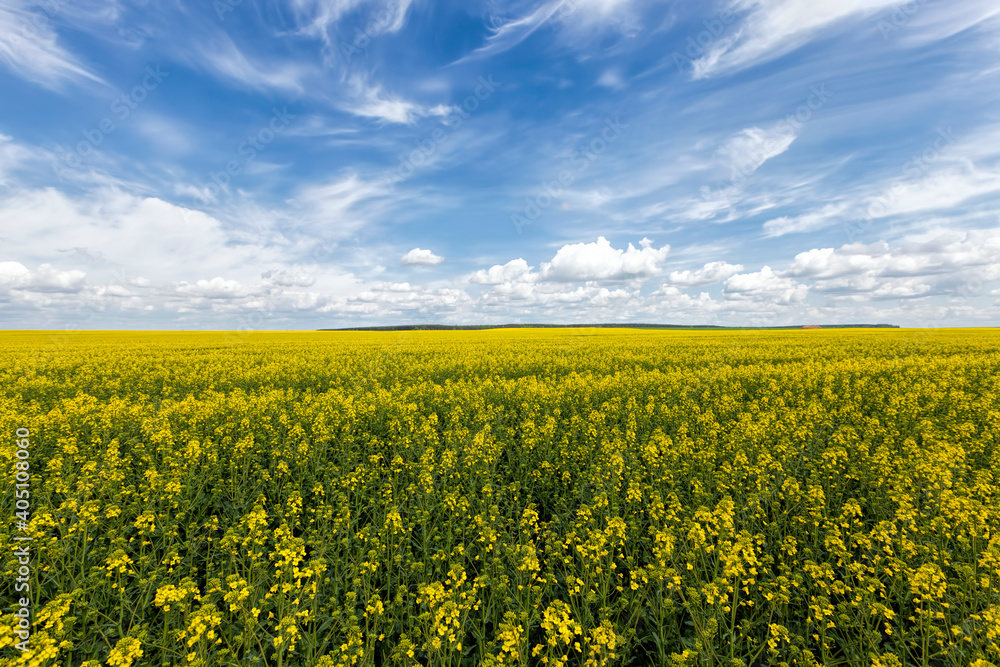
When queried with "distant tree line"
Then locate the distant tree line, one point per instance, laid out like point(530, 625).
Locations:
point(476, 327)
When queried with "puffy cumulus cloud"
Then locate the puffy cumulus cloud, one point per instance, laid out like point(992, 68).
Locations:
point(420, 256)
point(853, 258)
point(764, 285)
point(514, 271)
point(600, 261)
point(713, 272)
point(933, 253)
point(936, 263)
point(65, 295)
point(46, 278)
point(672, 300)
point(13, 274)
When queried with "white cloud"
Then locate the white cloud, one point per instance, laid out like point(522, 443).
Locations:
point(611, 78)
point(807, 222)
point(601, 8)
point(169, 135)
point(706, 207)
point(945, 188)
point(511, 33)
point(216, 288)
point(420, 256)
point(849, 259)
point(916, 28)
point(600, 261)
point(746, 152)
point(514, 271)
point(289, 277)
point(713, 272)
point(46, 278)
point(339, 207)
point(934, 253)
point(318, 126)
point(13, 275)
point(128, 232)
point(671, 299)
point(943, 262)
point(316, 17)
point(357, 96)
point(772, 28)
point(115, 235)
point(49, 279)
point(12, 157)
point(554, 297)
point(395, 299)
point(228, 61)
point(557, 13)
point(868, 286)
point(371, 101)
point(764, 285)
point(29, 47)
point(399, 16)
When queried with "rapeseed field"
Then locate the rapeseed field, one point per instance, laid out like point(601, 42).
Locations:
point(510, 497)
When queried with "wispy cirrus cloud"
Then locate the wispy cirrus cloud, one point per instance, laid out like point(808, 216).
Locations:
point(224, 59)
point(806, 222)
point(572, 15)
point(373, 101)
point(771, 28)
point(508, 34)
point(30, 48)
point(320, 18)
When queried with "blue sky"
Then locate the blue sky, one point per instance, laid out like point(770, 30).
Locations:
point(252, 164)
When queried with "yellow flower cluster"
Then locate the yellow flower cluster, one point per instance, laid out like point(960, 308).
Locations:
point(125, 652)
point(571, 498)
point(168, 594)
